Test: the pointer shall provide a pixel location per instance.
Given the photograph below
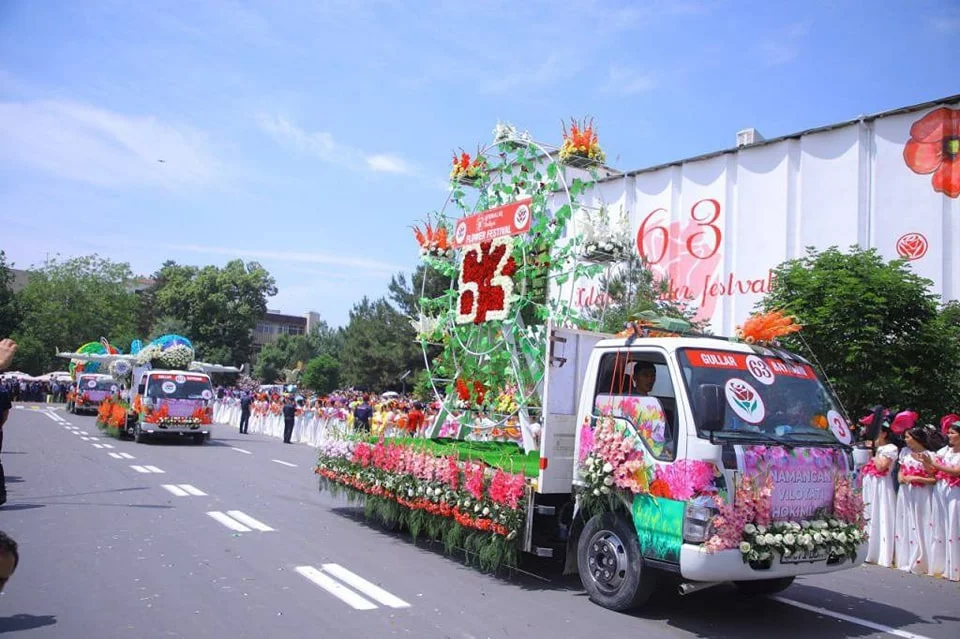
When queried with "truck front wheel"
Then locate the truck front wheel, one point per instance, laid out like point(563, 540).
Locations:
point(611, 567)
point(764, 586)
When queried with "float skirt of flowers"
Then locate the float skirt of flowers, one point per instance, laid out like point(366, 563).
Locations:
point(465, 505)
point(112, 416)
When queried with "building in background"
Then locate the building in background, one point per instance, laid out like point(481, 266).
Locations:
point(274, 324)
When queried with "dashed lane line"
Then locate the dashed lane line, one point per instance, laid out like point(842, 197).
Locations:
point(239, 521)
point(184, 490)
point(240, 450)
point(336, 589)
point(365, 587)
point(280, 461)
point(147, 469)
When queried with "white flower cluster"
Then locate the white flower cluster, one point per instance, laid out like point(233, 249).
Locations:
point(604, 239)
point(506, 132)
point(598, 475)
point(828, 537)
point(437, 252)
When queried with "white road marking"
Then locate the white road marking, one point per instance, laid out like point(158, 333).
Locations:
point(86, 439)
point(140, 469)
point(67, 424)
point(127, 456)
point(196, 492)
point(108, 445)
point(336, 589)
point(52, 417)
point(154, 469)
point(98, 445)
point(363, 586)
point(115, 456)
point(247, 520)
point(855, 620)
point(75, 432)
point(176, 490)
point(280, 461)
point(240, 450)
point(232, 524)
point(83, 432)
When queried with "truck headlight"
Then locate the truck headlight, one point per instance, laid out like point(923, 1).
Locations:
point(696, 523)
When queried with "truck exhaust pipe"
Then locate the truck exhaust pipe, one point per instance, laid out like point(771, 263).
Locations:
point(690, 587)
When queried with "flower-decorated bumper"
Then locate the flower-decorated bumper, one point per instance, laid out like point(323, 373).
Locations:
point(699, 564)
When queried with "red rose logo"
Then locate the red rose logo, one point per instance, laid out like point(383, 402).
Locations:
point(742, 393)
point(934, 147)
point(912, 246)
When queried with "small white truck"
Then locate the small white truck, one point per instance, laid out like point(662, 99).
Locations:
point(702, 409)
point(171, 403)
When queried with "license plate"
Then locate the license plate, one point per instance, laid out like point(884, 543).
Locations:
point(804, 556)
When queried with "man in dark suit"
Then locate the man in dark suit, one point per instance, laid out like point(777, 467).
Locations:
point(289, 415)
point(245, 402)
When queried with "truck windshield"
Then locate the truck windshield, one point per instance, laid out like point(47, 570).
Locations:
point(179, 387)
point(767, 397)
point(101, 383)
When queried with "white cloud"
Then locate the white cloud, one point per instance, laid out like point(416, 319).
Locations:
point(322, 145)
point(316, 257)
point(626, 81)
point(389, 164)
point(94, 145)
point(949, 23)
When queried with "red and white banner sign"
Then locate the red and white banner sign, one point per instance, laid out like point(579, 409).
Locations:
point(502, 221)
point(763, 369)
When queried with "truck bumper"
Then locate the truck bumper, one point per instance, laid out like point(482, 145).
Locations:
point(174, 431)
point(696, 564)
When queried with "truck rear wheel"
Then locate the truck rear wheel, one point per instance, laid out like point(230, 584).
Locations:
point(611, 567)
point(764, 586)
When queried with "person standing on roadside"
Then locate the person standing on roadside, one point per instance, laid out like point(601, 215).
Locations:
point(8, 348)
point(289, 415)
point(245, 403)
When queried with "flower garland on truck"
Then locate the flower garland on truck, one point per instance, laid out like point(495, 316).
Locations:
point(461, 503)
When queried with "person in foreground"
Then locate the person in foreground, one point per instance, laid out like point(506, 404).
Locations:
point(9, 558)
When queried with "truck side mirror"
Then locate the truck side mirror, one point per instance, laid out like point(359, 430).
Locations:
point(711, 407)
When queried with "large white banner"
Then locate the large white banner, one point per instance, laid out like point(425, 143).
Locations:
point(716, 226)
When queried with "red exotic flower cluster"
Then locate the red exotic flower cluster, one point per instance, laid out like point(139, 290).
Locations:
point(157, 416)
point(478, 394)
point(432, 241)
point(465, 167)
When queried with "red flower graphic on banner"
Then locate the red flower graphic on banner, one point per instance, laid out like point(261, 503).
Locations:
point(934, 147)
point(912, 246)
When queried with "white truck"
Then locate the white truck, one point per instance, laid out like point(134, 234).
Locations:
point(702, 409)
point(89, 391)
point(171, 403)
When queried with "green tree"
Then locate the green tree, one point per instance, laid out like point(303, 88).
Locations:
point(322, 374)
point(9, 309)
point(875, 328)
point(287, 352)
point(67, 303)
point(219, 307)
point(378, 346)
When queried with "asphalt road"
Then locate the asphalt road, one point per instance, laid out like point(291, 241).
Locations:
point(108, 551)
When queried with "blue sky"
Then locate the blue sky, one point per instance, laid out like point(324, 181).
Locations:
point(310, 135)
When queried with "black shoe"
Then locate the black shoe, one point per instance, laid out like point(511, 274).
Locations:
point(3, 498)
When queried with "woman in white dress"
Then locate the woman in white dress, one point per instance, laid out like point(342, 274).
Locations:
point(946, 465)
point(915, 524)
point(880, 499)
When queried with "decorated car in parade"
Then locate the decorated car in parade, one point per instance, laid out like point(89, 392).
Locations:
point(656, 450)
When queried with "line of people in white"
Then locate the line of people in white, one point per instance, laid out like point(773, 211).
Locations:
point(911, 489)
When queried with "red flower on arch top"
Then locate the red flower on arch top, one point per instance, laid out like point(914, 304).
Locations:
point(934, 147)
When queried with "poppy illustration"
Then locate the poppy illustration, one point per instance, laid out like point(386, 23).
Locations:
point(934, 147)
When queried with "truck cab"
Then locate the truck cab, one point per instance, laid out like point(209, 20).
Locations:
point(647, 443)
point(172, 403)
point(90, 390)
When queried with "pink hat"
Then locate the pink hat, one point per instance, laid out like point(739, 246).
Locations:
point(948, 421)
point(904, 421)
point(867, 420)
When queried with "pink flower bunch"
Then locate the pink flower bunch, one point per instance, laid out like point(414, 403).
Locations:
point(474, 480)
point(847, 501)
point(506, 489)
point(751, 505)
point(586, 440)
point(363, 454)
point(450, 473)
point(687, 478)
point(611, 445)
point(632, 475)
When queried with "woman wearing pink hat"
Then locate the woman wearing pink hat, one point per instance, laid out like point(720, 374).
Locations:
point(946, 465)
point(915, 524)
